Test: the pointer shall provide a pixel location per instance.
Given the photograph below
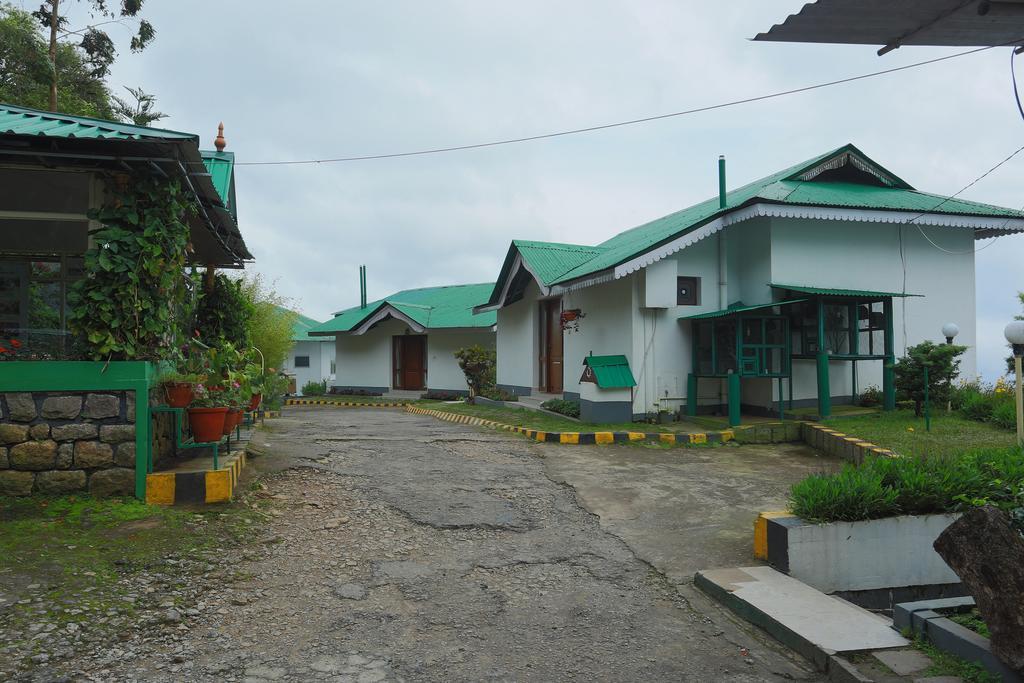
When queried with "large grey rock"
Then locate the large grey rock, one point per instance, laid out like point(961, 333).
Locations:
point(14, 483)
point(73, 432)
point(62, 407)
point(124, 455)
point(12, 433)
point(40, 431)
point(65, 456)
point(60, 481)
point(33, 455)
point(90, 454)
point(116, 481)
point(117, 433)
point(22, 407)
point(98, 406)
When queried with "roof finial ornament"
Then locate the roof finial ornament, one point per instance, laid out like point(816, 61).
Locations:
point(220, 143)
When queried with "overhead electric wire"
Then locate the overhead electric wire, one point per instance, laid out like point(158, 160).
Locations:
point(619, 124)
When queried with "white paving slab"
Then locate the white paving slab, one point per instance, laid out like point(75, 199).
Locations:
point(827, 622)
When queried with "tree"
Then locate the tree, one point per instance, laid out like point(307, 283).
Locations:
point(25, 70)
point(271, 326)
point(478, 365)
point(96, 45)
point(943, 362)
point(141, 113)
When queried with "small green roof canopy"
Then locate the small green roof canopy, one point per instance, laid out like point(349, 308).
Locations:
point(738, 308)
point(844, 178)
point(429, 308)
point(610, 372)
point(34, 136)
point(302, 326)
point(854, 293)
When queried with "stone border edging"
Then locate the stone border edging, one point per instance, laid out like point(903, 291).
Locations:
point(343, 404)
point(580, 438)
point(841, 445)
point(207, 486)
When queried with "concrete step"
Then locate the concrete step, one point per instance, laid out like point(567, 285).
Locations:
point(814, 624)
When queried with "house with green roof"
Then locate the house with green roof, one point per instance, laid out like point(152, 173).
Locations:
point(800, 288)
point(311, 359)
point(407, 341)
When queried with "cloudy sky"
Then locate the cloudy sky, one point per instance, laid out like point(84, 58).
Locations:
point(306, 80)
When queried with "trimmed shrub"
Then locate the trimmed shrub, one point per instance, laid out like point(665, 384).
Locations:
point(496, 394)
point(314, 388)
point(1004, 414)
point(562, 407)
point(442, 395)
point(978, 407)
point(871, 397)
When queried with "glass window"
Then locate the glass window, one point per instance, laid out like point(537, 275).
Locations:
point(687, 291)
point(725, 346)
point(33, 303)
point(302, 361)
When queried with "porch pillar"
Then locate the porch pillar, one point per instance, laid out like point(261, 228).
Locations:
point(824, 390)
point(691, 395)
point(734, 399)
point(889, 364)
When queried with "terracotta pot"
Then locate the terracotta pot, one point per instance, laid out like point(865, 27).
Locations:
point(179, 394)
point(255, 401)
point(207, 424)
point(231, 420)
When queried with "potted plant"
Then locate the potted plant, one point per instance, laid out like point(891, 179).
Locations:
point(178, 388)
point(207, 414)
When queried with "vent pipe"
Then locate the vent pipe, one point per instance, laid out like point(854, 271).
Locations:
point(362, 286)
point(721, 181)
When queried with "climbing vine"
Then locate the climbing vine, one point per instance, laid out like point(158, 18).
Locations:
point(134, 300)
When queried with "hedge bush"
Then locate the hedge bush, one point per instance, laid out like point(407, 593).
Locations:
point(314, 388)
point(562, 407)
point(886, 487)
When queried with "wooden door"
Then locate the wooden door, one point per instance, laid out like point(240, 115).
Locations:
point(410, 362)
point(553, 347)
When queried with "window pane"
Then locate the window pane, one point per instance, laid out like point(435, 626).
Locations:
point(774, 331)
point(45, 270)
point(752, 331)
point(837, 326)
point(725, 346)
point(45, 336)
point(302, 361)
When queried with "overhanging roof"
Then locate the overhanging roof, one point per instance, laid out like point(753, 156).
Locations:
point(833, 291)
point(31, 136)
point(738, 308)
point(611, 372)
point(903, 22)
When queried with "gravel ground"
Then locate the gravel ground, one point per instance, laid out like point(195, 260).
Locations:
point(399, 548)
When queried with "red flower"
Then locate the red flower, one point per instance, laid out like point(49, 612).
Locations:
point(4, 350)
point(15, 343)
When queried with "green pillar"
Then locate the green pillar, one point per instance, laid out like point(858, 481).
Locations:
point(824, 390)
point(691, 394)
point(889, 364)
point(734, 399)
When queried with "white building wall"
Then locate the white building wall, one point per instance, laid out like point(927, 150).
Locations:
point(518, 341)
point(605, 330)
point(365, 360)
point(316, 351)
point(443, 372)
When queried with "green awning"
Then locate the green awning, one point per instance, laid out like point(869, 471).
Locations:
point(609, 372)
point(826, 291)
point(739, 308)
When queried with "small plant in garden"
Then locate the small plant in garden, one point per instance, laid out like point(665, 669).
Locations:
point(478, 365)
point(562, 407)
point(314, 388)
point(943, 363)
point(871, 397)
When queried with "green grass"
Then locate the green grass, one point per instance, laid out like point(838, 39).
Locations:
point(532, 419)
point(973, 621)
point(346, 398)
point(905, 434)
point(946, 664)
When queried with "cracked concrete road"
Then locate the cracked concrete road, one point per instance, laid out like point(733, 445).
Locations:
point(404, 548)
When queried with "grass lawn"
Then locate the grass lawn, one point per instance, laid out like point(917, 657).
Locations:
point(345, 398)
point(903, 433)
point(532, 419)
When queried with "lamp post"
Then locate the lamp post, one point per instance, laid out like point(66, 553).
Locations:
point(950, 330)
point(1014, 333)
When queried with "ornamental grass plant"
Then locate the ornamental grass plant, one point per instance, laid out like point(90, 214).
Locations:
point(919, 485)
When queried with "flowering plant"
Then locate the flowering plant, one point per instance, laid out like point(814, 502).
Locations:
point(9, 348)
point(203, 397)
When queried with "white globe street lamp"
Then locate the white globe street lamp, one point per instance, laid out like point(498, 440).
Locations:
point(950, 330)
point(1014, 333)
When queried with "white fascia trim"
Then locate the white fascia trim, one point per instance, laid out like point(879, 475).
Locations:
point(815, 212)
point(383, 314)
point(604, 276)
point(512, 272)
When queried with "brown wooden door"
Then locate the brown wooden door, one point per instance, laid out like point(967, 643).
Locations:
point(553, 347)
point(410, 362)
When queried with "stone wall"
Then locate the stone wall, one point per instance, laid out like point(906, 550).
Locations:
point(63, 442)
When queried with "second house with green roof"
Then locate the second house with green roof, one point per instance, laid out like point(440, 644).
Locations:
point(801, 288)
point(311, 359)
point(407, 341)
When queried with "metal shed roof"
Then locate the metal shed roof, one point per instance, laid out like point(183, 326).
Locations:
point(611, 372)
point(738, 308)
point(832, 291)
point(903, 22)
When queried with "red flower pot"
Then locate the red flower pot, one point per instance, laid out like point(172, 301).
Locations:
point(231, 421)
point(207, 424)
point(255, 401)
point(179, 394)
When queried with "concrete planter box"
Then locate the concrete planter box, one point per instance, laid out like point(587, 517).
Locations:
point(848, 557)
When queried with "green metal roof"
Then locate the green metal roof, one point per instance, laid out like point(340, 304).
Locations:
point(22, 121)
point(832, 291)
point(430, 307)
point(550, 260)
point(221, 167)
point(611, 372)
point(844, 177)
point(738, 308)
point(302, 326)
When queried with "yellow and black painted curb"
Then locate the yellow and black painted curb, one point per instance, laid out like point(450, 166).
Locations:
point(841, 445)
point(580, 438)
point(209, 486)
point(343, 404)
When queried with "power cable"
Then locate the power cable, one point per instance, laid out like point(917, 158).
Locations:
point(619, 124)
